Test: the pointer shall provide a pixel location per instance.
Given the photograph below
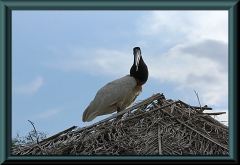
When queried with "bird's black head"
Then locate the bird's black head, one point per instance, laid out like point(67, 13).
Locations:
point(139, 69)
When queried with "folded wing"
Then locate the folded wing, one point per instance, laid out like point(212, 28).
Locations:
point(118, 93)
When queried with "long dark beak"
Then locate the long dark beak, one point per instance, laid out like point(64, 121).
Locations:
point(137, 56)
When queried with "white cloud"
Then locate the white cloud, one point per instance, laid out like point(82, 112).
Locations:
point(188, 70)
point(203, 70)
point(29, 87)
point(101, 61)
point(197, 58)
point(184, 26)
point(46, 114)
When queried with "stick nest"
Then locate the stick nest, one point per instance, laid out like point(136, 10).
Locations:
point(155, 126)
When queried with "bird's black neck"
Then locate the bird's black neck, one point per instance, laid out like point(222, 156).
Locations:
point(141, 75)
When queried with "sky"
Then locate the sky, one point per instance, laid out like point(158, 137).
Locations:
point(60, 59)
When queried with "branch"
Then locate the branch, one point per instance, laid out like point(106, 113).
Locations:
point(36, 135)
point(34, 130)
point(198, 101)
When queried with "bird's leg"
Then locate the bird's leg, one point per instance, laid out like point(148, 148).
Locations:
point(118, 109)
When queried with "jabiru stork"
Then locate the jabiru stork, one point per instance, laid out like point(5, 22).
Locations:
point(121, 93)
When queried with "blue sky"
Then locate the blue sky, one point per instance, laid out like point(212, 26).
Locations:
point(60, 59)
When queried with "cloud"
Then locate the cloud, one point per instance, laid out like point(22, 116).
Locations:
point(201, 70)
point(197, 55)
point(29, 87)
point(200, 66)
point(47, 114)
point(211, 49)
point(182, 26)
point(99, 61)
point(185, 48)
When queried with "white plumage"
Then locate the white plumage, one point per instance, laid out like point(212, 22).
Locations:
point(118, 93)
point(121, 93)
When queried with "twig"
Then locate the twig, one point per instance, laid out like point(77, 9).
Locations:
point(159, 141)
point(60, 133)
point(34, 130)
point(199, 133)
point(198, 101)
point(36, 136)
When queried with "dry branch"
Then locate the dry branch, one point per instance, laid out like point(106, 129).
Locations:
point(216, 113)
point(42, 151)
point(198, 100)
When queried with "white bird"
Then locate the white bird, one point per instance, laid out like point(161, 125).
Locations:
point(121, 93)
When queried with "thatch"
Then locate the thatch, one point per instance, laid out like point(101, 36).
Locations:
point(155, 126)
